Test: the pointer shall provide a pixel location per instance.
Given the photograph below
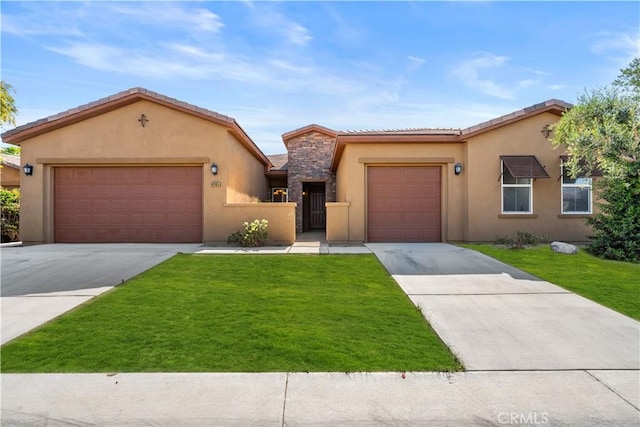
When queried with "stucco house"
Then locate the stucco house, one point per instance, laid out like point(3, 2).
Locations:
point(141, 167)
point(10, 171)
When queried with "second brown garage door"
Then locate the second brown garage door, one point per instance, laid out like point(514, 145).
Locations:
point(403, 204)
point(154, 204)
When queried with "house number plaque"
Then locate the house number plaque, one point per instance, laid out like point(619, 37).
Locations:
point(216, 184)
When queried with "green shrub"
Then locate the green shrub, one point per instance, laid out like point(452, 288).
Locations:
point(10, 218)
point(254, 234)
point(616, 228)
point(521, 239)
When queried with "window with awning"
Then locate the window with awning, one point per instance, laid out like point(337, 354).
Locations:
point(518, 173)
point(524, 167)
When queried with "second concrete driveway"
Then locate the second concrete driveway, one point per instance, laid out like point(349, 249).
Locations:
point(41, 282)
point(495, 317)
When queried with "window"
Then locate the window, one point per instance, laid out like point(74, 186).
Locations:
point(279, 195)
point(576, 193)
point(517, 193)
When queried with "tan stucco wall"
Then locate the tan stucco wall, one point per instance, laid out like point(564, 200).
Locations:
point(337, 230)
point(9, 177)
point(482, 172)
point(471, 202)
point(351, 182)
point(281, 217)
point(117, 138)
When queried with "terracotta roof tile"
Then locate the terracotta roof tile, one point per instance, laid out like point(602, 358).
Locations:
point(116, 97)
point(410, 131)
point(309, 128)
point(540, 107)
point(279, 161)
point(10, 160)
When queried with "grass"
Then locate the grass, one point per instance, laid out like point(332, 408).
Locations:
point(207, 313)
point(613, 284)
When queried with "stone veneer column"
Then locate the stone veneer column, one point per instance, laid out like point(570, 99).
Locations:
point(309, 160)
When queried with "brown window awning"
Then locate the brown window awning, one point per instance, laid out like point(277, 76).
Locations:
point(524, 167)
point(581, 163)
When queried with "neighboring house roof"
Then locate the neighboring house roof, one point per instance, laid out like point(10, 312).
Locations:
point(104, 105)
point(10, 160)
point(420, 135)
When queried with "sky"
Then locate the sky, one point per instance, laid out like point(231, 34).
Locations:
point(279, 66)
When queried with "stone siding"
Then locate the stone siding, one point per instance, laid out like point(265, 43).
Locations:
point(310, 157)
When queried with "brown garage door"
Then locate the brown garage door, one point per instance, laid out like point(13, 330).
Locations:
point(128, 204)
point(403, 204)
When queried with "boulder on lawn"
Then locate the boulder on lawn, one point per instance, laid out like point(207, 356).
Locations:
point(564, 248)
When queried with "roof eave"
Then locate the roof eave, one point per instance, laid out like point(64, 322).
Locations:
point(555, 107)
point(30, 130)
point(343, 139)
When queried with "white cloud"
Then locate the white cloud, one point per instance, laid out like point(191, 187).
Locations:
point(60, 20)
point(415, 62)
point(608, 42)
point(25, 26)
point(266, 17)
point(166, 13)
point(473, 73)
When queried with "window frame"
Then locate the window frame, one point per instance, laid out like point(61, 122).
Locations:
point(285, 190)
point(516, 185)
point(563, 185)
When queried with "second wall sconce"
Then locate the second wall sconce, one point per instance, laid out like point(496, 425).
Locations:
point(28, 169)
point(214, 169)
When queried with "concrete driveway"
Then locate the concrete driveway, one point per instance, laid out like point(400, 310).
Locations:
point(41, 282)
point(495, 317)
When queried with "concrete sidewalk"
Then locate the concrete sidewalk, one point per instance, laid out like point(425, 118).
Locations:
point(577, 398)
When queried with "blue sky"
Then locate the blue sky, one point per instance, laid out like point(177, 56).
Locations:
point(277, 66)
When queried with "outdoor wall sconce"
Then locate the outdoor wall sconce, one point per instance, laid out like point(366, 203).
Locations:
point(457, 169)
point(28, 169)
point(214, 169)
point(143, 120)
point(546, 131)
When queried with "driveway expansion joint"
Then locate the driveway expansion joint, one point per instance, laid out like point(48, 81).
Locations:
point(284, 400)
point(610, 389)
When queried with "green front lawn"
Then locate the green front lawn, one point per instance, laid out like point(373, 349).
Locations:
point(207, 313)
point(611, 283)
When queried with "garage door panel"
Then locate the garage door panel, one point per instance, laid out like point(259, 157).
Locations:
point(403, 204)
point(128, 204)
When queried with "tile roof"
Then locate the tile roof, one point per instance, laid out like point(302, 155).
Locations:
point(123, 98)
point(552, 105)
point(116, 97)
point(409, 131)
point(305, 129)
point(11, 160)
point(279, 161)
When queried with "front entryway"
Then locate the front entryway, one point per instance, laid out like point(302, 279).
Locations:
point(313, 206)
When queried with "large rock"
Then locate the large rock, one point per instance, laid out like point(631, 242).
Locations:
point(564, 248)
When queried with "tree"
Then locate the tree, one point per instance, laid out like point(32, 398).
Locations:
point(8, 108)
point(603, 131)
point(11, 149)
